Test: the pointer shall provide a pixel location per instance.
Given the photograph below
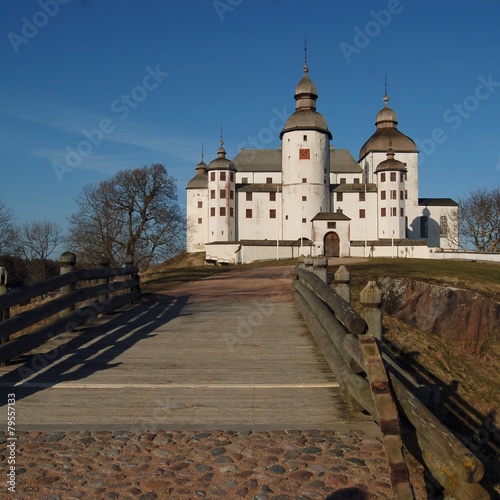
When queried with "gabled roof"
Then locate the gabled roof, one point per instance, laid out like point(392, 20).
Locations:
point(342, 162)
point(330, 216)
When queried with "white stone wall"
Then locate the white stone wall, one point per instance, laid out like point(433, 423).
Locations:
point(315, 188)
point(261, 225)
point(197, 219)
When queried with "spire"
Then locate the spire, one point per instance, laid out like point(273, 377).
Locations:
point(386, 96)
point(306, 68)
point(202, 154)
point(221, 153)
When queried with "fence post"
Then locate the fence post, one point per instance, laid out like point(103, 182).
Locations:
point(4, 313)
point(320, 266)
point(308, 264)
point(342, 278)
point(129, 261)
point(371, 298)
point(103, 264)
point(68, 264)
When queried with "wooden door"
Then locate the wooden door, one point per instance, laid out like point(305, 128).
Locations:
point(332, 245)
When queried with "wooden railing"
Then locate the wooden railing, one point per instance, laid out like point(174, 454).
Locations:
point(372, 381)
point(73, 306)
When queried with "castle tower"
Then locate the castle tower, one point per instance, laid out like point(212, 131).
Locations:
point(374, 151)
point(392, 193)
point(305, 140)
point(197, 209)
point(221, 198)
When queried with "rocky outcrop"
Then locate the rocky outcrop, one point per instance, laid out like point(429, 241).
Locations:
point(452, 313)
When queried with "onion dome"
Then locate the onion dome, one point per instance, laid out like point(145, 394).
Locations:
point(391, 164)
point(221, 162)
point(387, 131)
point(306, 117)
point(200, 180)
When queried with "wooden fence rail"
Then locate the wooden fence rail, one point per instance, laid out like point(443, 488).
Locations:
point(374, 382)
point(93, 300)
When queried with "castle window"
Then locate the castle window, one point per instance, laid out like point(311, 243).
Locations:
point(331, 225)
point(272, 213)
point(269, 180)
point(402, 212)
point(403, 176)
point(304, 180)
point(304, 220)
point(305, 138)
point(231, 194)
point(222, 211)
point(200, 220)
point(393, 211)
point(382, 177)
point(231, 176)
point(223, 193)
point(231, 212)
point(304, 198)
point(361, 213)
point(248, 213)
point(223, 176)
point(361, 196)
point(382, 212)
point(212, 176)
point(212, 211)
point(249, 196)
point(401, 195)
point(393, 176)
point(340, 196)
point(272, 196)
point(244, 180)
point(356, 181)
point(200, 204)
point(342, 180)
point(406, 195)
point(393, 194)
point(304, 154)
point(443, 225)
point(382, 195)
point(212, 194)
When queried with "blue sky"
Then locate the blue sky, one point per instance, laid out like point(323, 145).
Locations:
point(123, 83)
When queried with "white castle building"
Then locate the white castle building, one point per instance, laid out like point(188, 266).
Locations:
point(308, 198)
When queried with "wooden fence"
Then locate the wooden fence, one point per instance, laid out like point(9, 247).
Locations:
point(73, 306)
point(374, 382)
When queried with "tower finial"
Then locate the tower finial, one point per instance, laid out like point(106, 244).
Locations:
point(306, 69)
point(386, 96)
point(202, 153)
point(221, 135)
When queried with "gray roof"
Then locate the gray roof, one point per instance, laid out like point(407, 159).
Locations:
point(330, 216)
point(306, 119)
point(198, 181)
point(356, 188)
point(437, 202)
point(269, 160)
point(258, 188)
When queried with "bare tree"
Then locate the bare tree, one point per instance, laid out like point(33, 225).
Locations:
point(133, 213)
point(35, 242)
point(6, 228)
point(479, 219)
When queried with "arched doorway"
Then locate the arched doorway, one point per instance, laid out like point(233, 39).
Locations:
point(332, 245)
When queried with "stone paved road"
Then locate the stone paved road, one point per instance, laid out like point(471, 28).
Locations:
point(191, 464)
